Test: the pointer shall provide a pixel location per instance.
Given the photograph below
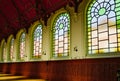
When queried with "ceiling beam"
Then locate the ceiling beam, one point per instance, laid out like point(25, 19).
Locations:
point(20, 15)
point(7, 28)
point(75, 4)
point(19, 18)
point(6, 19)
point(32, 6)
point(36, 8)
point(41, 11)
point(7, 24)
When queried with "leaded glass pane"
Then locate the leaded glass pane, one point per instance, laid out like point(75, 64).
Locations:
point(61, 35)
point(22, 46)
point(11, 49)
point(37, 42)
point(103, 18)
point(4, 51)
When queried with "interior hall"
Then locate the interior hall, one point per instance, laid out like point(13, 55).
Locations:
point(59, 40)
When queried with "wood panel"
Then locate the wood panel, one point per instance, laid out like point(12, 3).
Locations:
point(67, 70)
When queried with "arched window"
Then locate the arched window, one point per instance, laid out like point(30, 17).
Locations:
point(103, 25)
point(37, 49)
point(11, 49)
point(4, 52)
point(22, 46)
point(61, 35)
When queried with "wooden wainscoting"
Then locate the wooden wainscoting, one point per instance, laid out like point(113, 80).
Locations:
point(66, 70)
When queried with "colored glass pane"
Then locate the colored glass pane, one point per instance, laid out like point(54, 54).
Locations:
point(102, 11)
point(118, 26)
point(117, 1)
point(118, 5)
point(4, 51)
point(117, 9)
point(61, 36)
point(11, 49)
point(37, 42)
point(22, 46)
point(118, 13)
point(103, 21)
point(118, 21)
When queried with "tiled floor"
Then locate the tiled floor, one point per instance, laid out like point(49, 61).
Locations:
point(8, 77)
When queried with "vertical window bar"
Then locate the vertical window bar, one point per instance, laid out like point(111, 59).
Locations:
point(37, 48)
point(102, 11)
point(11, 49)
point(61, 35)
point(22, 46)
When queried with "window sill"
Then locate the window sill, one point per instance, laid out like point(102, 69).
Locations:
point(110, 55)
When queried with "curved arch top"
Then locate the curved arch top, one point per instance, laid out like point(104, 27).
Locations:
point(61, 35)
point(103, 26)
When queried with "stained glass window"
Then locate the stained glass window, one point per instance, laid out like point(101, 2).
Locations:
point(4, 51)
point(22, 46)
point(61, 35)
point(37, 42)
point(103, 26)
point(11, 49)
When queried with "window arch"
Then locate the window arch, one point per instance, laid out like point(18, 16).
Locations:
point(3, 51)
point(12, 49)
point(37, 42)
point(61, 35)
point(103, 25)
point(22, 46)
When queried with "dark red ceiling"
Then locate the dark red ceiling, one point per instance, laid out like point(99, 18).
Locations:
point(17, 14)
